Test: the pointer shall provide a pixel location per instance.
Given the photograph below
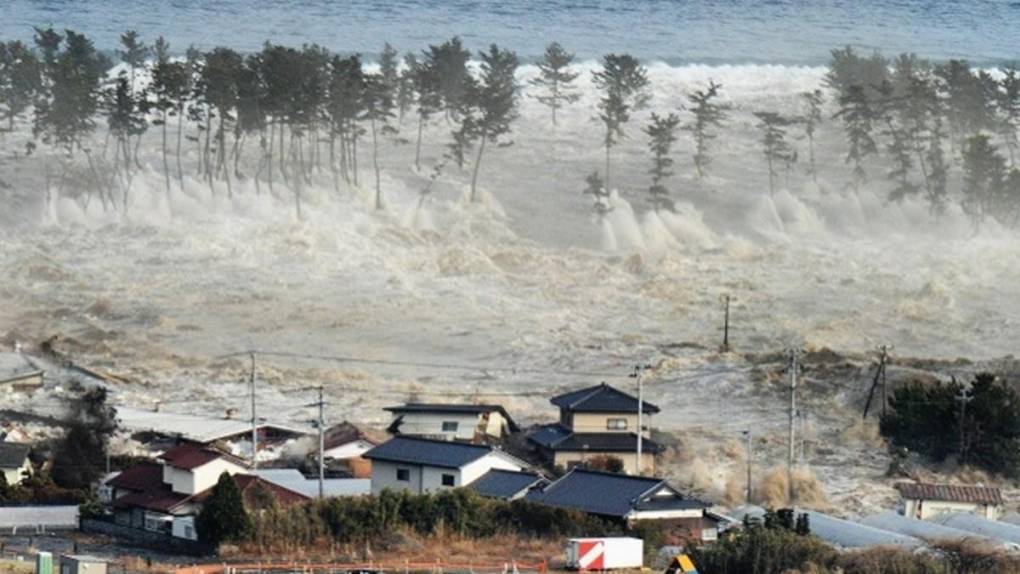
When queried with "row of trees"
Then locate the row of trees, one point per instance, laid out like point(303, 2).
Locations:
point(306, 112)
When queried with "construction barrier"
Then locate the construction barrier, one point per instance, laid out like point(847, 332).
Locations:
point(406, 567)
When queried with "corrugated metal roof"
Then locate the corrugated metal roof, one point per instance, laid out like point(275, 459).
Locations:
point(839, 532)
point(292, 479)
point(507, 484)
point(925, 530)
point(444, 454)
point(608, 494)
point(971, 523)
point(601, 399)
point(950, 492)
point(196, 428)
point(31, 516)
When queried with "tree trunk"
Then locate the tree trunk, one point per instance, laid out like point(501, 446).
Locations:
point(269, 154)
point(478, 164)
point(180, 137)
point(608, 146)
point(417, 148)
point(375, 164)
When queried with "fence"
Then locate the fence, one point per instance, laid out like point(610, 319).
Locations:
point(405, 567)
point(38, 518)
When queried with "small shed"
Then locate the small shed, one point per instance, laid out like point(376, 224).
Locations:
point(923, 500)
point(82, 564)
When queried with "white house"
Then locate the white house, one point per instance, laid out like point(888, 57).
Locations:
point(190, 470)
point(426, 465)
point(924, 501)
point(14, 461)
point(470, 423)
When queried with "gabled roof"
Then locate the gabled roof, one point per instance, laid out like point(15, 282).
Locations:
point(159, 499)
point(498, 483)
point(428, 452)
point(246, 484)
point(950, 493)
point(558, 438)
point(609, 494)
point(13, 454)
point(189, 456)
point(447, 408)
point(601, 399)
point(346, 433)
point(140, 477)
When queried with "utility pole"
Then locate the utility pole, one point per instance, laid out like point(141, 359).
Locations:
point(963, 397)
point(726, 324)
point(794, 366)
point(254, 419)
point(882, 362)
point(747, 435)
point(322, 442)
point(639, 375)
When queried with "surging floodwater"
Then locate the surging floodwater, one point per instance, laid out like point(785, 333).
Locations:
point(797, 32)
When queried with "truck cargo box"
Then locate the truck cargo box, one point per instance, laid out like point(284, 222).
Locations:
point(615, 553)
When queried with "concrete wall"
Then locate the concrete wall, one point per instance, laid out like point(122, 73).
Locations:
point(569, 459)
point(924, 509)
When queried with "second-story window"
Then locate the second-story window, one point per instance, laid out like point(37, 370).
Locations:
point(616, 424)
point(450, 426)
point(403, 475)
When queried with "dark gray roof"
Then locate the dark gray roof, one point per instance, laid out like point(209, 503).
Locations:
point(557, 438)
point(453, 408)
point(601, 399)
point(428, 452)
point(609, 494)
point(499, 483)
point(12, 454)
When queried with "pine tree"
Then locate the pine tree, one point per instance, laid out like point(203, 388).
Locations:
point(708, 116)
point(596, 188)
point(858, 117)
point(555, 81)
point(1009, 107)
point(901, 140)
point(406, 89)
point(984, 175)
point(134, 54)
point(430, 98)
point(448, 62)
point(624, 85)
point(20, 73)
point(812, 119)
point(219, 89)
point(964, 94)
point(378, 111)
point(389, 75)
point(847, 69)
point(774, 145)
point(937, 173)
point(662, 135)
point(126, 120)
point(170, 87)
point(223, 517)
point(494, 104)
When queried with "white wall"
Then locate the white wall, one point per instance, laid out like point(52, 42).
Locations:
point(431, 425)
point(184, 527)
point(198, 479)
point(16, 475)
point(430, 478)
point(924, 509)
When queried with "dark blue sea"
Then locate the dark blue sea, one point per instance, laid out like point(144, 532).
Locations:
point(792, 32)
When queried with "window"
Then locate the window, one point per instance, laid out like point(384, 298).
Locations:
point(450, 426)
point(403, 475)
point(616, 424)
point(448, 480)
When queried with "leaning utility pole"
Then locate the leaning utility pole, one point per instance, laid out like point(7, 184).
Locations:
point(726, 324)
point(794, 355)
point(254, 420)
point(747, 435)
point(883, 360)
point(322, 442)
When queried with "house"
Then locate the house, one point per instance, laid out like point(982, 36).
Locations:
point(292, 479)
point(346, 443)
point(160, 428)
point(427, 465)
point(629, 499)
point(469, 423)
point(165, 496)
point(19, 373)
point(599, 421)
point(507, 484)
point(923, 500)
point(14, 461)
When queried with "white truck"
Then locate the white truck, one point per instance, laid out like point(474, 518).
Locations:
point(609, 553)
